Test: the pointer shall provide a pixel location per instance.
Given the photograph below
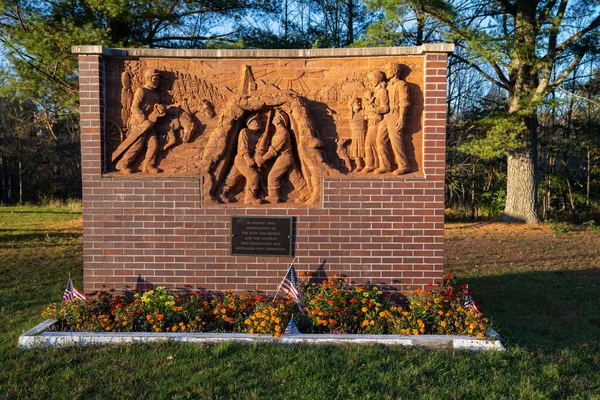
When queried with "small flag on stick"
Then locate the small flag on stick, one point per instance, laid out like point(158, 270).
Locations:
point(291, 285)
point(292, 328)
point(71, 293)
point(470, 303)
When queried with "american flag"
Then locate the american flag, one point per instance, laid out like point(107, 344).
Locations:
point(470, 303)
point(291, 285)
point(292, 328)
point(71, 293)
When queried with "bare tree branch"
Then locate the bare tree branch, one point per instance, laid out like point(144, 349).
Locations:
point(567, 43)
point(481, 71)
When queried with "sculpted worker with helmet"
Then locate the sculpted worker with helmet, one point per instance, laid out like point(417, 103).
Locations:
point(145, 111)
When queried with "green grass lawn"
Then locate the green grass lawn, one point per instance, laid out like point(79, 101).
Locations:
point(539, 287)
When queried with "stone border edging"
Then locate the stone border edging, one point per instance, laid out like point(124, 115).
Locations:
point(38, 336)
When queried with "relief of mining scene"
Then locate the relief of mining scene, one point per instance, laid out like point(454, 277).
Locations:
point(263, 131)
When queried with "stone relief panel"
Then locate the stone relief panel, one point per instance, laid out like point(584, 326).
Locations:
point(264, 131)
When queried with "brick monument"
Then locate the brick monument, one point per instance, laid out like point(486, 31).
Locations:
point(215, 169)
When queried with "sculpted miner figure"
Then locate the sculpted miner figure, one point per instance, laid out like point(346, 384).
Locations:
point(145, 111)
point(244, 165)
point(396, 119)
point(376, 104)
point(281, 149)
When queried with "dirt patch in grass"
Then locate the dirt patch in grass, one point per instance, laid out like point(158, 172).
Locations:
point(519, 247)
point(538, 285)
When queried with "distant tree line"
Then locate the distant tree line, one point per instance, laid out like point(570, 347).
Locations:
point(523, 98)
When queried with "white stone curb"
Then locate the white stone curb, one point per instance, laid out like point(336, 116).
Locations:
point(39, 337)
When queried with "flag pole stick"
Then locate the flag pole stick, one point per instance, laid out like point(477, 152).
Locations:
point(286, 272)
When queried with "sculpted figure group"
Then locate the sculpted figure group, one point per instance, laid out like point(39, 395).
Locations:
point(383, 109)
point(254, 151)
point(265, 156)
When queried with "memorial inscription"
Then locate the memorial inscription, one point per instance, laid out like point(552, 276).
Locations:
point(262, 236)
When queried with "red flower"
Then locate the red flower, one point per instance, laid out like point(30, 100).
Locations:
point(447, 276)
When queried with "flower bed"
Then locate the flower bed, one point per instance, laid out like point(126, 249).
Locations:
point(333, 306)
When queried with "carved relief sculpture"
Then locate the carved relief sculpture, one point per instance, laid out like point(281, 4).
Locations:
point(267, 133)
point(396, 119)
point(281, 149)
point(376, 104)
point(244, 165)
point(145, 112)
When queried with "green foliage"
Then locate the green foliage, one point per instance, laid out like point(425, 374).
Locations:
point(503, 133)
point(591, 226)
point(560, 228)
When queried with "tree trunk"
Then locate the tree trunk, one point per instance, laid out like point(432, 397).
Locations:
point(520, 189)
point(350, 35)
point(587, 184)
point(521, 179)
point(3, 197)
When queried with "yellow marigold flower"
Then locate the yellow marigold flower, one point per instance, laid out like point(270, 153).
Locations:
point(443, 324)
point(277, 335)
point(372, 322)
point(365, 309)
point(480, 334)
point(264, 323)
point(278, 328)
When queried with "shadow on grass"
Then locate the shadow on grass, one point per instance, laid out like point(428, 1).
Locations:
point(14, 210)
point(44, 235)
point(548, 310)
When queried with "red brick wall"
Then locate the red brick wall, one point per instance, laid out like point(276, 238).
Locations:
point(154, 230)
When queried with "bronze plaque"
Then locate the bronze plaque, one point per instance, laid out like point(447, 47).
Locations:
point(261, 236)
